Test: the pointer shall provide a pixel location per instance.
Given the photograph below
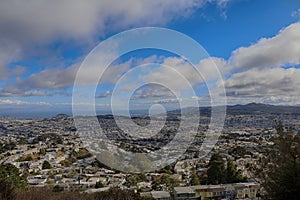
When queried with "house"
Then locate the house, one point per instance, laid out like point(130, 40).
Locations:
point(226, 191)
point(209, 191)
point(246, 190)
point(184, 193)
point(37, 180)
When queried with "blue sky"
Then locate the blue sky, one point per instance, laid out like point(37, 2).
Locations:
point(255, 43)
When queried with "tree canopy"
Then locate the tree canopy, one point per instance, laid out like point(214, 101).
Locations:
point(280, 170)
point(216, 170)
point(11, 174)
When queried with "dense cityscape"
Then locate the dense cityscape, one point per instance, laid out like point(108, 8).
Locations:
point(49, 153)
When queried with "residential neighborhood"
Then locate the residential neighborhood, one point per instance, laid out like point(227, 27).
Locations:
point(51, 154)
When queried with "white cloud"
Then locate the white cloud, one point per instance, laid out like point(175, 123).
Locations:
point(210, 66)
point(75, 18)
point(24, 25)
point(256, 70)
point(19, 102)
point(152, 91)
point(280, 50)
point(178, 71)
point(41, 22)
point(174, 73)
point(268, 85)
point(9, 52)
point(57, 80)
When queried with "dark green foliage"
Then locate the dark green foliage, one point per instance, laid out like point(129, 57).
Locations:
point(46, 165)
point(232, 174)
point(7, 147)
point(238, 152)
point(42, 151)
point(99, 184)
point(217, 173)
point(280, 170)
point(11, 174)
point(216, 170)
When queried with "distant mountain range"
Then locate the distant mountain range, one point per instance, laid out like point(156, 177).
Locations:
point(248, 109)
point(256, 108)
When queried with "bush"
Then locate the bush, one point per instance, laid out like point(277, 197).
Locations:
point(99, 184)
point(46, 165)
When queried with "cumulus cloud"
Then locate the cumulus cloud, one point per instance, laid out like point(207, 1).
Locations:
point(36, 84)
point(178, 73)
point(26, 25)
point(9, 52)
point(267, 84)
point(57, 80)
point(280, 50)
point(75, 18)
point(174, 73)
point(259, 73)
point(213, 68)
point(152, 91)
point(40, 22)
point(255, 71)
point(174, 76)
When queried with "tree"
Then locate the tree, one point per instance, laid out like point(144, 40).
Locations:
point(194, 178)
point(133, 179)
point(164, 180)
point(46, 165)
point(216, 170)
point(238, 151)
point(65, 163)
point(99, 184)
point(11, 175)
point(42, 151)
point(231, 172)
point(280, 170)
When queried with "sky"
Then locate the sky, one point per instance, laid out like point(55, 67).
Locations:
point(255, 44)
